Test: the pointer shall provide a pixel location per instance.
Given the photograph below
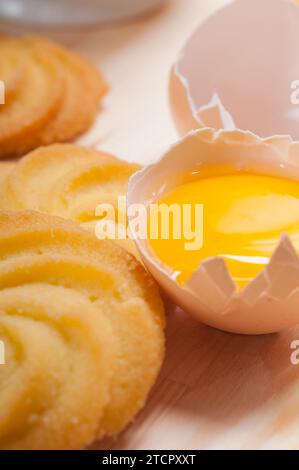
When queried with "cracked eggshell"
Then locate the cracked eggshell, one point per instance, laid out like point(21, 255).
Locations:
point(239, 70)
point(270, 302)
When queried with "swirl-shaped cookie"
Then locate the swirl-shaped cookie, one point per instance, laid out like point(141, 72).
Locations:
point(32, 101)
point(83, 89)
point(82, 323)
point(53, 94)
point(12, 69)
point(5, 169)
point(69, 181)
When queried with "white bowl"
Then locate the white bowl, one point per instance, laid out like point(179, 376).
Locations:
point(64, 13)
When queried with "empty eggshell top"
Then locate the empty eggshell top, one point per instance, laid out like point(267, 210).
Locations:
point(270, 302)
point(239, 70)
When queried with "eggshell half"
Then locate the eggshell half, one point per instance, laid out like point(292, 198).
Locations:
point(270, 302)
point(240, 69)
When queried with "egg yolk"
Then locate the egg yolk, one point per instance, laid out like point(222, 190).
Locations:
point(243, 218)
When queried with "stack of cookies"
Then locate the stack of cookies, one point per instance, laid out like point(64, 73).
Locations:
point(81, 320)
point(51, 94)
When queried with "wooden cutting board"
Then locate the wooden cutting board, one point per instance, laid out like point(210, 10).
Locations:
point(216, 390)
point(219, 391)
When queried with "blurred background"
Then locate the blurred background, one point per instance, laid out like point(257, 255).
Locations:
point(135, 43)
point(72, 13)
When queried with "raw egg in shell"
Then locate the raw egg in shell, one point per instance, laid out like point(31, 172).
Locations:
point(234, 263)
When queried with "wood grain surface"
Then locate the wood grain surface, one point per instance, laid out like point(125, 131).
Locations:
point(216, 390)
point(219, 391)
